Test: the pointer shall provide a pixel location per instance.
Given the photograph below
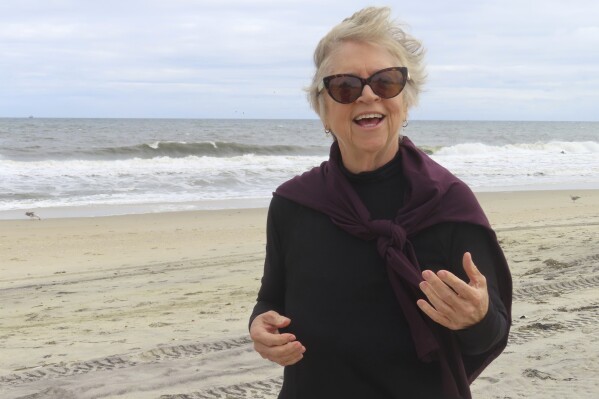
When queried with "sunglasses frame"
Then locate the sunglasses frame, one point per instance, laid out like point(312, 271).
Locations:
point(324, 83)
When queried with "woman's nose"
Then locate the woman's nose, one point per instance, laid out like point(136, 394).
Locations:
point(368, 95)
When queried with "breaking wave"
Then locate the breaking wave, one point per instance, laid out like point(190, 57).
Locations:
point(172, 149)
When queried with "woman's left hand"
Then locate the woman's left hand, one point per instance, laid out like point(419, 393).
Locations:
point(454, 303)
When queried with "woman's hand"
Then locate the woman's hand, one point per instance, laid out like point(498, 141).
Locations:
point(455, 304)
point(270, 344)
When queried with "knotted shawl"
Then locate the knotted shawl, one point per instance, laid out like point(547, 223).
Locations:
point(433, 195)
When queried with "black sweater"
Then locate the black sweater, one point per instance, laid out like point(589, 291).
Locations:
point(334, 288)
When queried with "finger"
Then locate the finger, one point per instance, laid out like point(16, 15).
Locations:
point(440, 304)
point(270, 321)
point(265, 327)
point(439, 290)
point(279, 351)
point(458, 285)
point(290, 361)
point(273, 318)
point(476, 277)
point(272, 340)
point(293, 357)
point(433, 314)
point(284, 354)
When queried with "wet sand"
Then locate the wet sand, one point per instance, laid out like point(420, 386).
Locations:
point(156, 305)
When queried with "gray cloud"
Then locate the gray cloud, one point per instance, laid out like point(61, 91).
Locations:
point(487, 60)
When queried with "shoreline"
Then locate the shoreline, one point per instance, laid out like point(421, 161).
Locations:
point(139, 306)
point(105, 210)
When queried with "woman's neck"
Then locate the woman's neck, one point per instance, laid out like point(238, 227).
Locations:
point(367, 162)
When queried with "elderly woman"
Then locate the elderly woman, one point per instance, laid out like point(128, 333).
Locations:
point(370, 288)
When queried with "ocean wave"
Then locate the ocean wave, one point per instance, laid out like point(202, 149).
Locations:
point(429, 149)
point(552, 147)
point(171, 149)
point(165, 179)
point(157, 179)
point(174, 149)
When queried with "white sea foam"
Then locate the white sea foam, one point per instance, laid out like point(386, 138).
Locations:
point(485, 167)
point(164, 179)
point(552, 147)
point(80, 182)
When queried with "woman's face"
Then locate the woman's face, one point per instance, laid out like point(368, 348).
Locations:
point(367, 130)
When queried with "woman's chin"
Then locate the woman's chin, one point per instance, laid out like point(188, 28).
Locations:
point(372, 143)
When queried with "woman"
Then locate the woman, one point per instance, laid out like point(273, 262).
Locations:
point(370, 288)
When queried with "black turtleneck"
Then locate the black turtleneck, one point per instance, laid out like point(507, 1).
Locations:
point(334, 288)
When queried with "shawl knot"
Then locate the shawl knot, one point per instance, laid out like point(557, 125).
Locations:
point(388, 235)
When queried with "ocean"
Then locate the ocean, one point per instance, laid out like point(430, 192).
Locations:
point(94, 167)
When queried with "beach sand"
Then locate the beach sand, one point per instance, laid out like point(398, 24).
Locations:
point(156, 305)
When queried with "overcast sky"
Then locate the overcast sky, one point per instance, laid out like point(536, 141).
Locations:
point(487, 60)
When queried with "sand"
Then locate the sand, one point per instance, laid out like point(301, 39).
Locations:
point(156, 305)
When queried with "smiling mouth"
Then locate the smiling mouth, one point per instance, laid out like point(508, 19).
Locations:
point(369, 120)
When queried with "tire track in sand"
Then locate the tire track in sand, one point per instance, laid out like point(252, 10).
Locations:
point(559, 287)
point(155, 355)
point(585, 321)
point(264, 389)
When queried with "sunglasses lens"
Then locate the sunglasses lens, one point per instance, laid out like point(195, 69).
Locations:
point(387, 84)
point(345, 89)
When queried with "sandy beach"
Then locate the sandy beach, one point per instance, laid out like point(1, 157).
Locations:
point(156, 305)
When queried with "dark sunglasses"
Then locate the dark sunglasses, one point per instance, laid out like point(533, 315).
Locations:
point(345, 88)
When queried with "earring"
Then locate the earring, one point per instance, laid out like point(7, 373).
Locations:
point(405, 123)
point(327, 131)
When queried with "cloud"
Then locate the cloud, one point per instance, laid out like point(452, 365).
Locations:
point(185, 58)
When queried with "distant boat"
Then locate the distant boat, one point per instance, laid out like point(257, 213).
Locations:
point(30, 116)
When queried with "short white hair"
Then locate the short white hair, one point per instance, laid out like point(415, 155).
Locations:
point(371, 25)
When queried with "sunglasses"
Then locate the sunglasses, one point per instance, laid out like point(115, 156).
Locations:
point(345, 88)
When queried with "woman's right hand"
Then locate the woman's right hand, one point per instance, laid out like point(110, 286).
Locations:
point(283, 349)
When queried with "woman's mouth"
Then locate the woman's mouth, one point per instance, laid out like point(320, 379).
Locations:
point(369, 120)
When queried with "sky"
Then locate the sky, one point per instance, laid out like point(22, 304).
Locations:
point(486, 60)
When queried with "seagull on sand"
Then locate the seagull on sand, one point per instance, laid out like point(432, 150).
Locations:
point(574, 198)
point(32, 215)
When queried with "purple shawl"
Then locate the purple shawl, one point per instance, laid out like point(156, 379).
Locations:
point(433, 196)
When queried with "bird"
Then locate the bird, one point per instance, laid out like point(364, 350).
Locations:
point(574, 198)
point(32, 215)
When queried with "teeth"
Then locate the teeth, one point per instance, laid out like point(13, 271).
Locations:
point(368, 116)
